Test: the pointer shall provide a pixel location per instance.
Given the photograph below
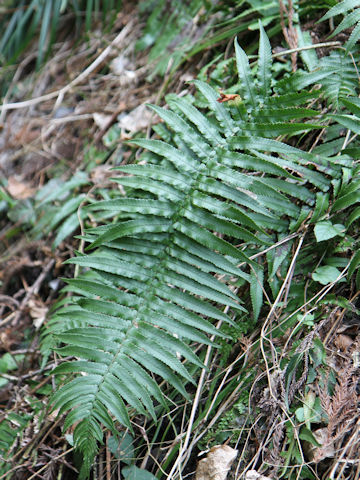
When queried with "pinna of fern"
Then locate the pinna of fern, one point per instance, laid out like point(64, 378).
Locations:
point(160, 275)
point(350, 10)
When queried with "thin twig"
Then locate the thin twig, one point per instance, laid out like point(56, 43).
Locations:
point(90, 69)
point(306, 47)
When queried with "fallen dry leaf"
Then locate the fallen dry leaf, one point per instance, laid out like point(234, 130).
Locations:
point(327, 449)
point(226, 97)
point(254, 475)
point(137, 119)
point(19, 190)
point(216, 464)
point(101, 119)
point(37, 312)
point(119, 64)
point(101, 174)
point(343, 342)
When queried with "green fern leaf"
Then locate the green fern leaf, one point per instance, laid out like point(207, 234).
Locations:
point(183, 162)
point(278, 115)
point(225, 210)
point(344, 79)
point(209, 131)
point(340, 8)
point(349, 20)
point(289, 100)
point(352, 104)
point(188, 134)
point(321, 206)
point(256, 290)
point(219, 110)
point(264, 64)
point(346, 200)
point(215, 260)
point(355, 35)
point(349, 121)
point(206, 239)
point(303, 80)
point(130, 227)
point(355, 214)
point(245, 76)
point(257, 162)
point(354, 264)
point(272, 130)
point(336, 73)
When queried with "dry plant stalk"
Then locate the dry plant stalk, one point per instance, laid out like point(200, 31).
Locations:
point(289, 32)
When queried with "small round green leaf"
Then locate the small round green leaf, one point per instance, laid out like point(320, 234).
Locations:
point(325, 275)
point(326, 230)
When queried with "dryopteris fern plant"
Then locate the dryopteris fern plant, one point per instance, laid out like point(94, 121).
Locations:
point(160, 274)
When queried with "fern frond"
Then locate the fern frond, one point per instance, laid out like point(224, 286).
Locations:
point(337, 73)
point(150, 285)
